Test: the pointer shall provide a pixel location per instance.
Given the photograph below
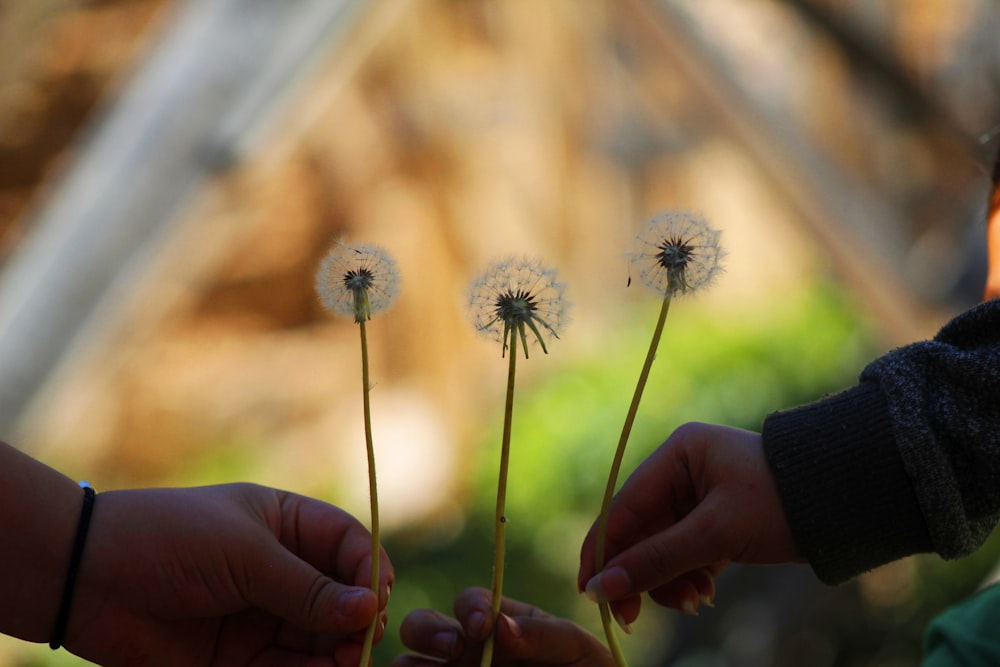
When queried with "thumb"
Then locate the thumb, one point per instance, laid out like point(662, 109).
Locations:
point(286, 586)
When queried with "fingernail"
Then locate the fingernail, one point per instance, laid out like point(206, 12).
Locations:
point(707, 601)
point(350, 601)
point(620, 620)
point(689, 608)
point(444, 644)
point(612, 584)
point(512, 626)
point(477, 624)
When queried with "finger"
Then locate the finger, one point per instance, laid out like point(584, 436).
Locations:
point(474, 610)
point(625, 612)
point(619, 536)
point(296, 638)
point(688, 592)
point(588, 564)
point(431, 633)
point(513, 607)
point(407, 660)
point(251, 638)
point(275, 657)
point(292, 589)
point(679, 594)
point(704, 580)
point(659, 559)
point(541, 640)
point(332, 541)
point(291, 576)
point(655, 495)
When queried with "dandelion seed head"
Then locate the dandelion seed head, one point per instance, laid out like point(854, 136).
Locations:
point(518, 297)
point(358, 281)
point(678, 253)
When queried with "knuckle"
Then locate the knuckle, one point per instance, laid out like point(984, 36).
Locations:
point(656, 565)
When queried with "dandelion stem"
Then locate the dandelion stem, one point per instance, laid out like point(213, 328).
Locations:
point(499, 554)
point(609, 632)
point(372, 492)
point(609, 491)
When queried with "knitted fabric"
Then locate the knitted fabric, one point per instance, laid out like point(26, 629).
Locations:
point(905, 462)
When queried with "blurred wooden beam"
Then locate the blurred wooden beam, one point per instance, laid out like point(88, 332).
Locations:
point(22, 22)
point(197, 106)
point(855, 225)
point(877, 62)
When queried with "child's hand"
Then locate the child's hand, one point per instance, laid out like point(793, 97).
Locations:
point(525, 636)
point(704, 498)
point(235, 574)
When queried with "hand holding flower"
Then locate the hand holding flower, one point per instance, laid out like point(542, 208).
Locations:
point(704, 498)
point(525, 635)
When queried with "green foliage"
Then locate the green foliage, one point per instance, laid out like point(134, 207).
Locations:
point(708, 369)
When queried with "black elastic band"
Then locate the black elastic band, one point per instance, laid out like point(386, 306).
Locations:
point(74, 566)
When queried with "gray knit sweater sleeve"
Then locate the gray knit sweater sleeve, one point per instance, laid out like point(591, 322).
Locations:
point(907, 461)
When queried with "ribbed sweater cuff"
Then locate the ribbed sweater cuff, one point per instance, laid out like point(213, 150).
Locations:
point(849, 502)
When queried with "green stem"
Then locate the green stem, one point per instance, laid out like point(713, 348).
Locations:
point(609, 632)
point(501, 519)
point(609, 491)
point(366, 649)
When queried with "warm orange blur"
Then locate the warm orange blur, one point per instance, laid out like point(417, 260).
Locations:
point(992, 290)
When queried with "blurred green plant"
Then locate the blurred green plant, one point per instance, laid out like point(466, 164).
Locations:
point(731, 371)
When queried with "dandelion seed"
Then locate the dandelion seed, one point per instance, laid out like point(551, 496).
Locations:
point(678, 253)
point(515, 296)
point(358, 281)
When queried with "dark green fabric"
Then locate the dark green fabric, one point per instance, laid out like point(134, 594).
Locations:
point(966, 635)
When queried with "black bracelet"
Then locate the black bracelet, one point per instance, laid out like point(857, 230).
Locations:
point(74, 566)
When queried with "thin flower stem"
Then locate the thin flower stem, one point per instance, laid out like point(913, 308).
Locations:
point(366, 649)
point(499, 554)
point(609, 632)
point(609, 491)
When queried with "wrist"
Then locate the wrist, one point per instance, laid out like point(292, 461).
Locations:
point(40, 509)
point(96, 618)
point(73, 569)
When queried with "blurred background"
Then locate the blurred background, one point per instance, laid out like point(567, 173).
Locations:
point(171, 173)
